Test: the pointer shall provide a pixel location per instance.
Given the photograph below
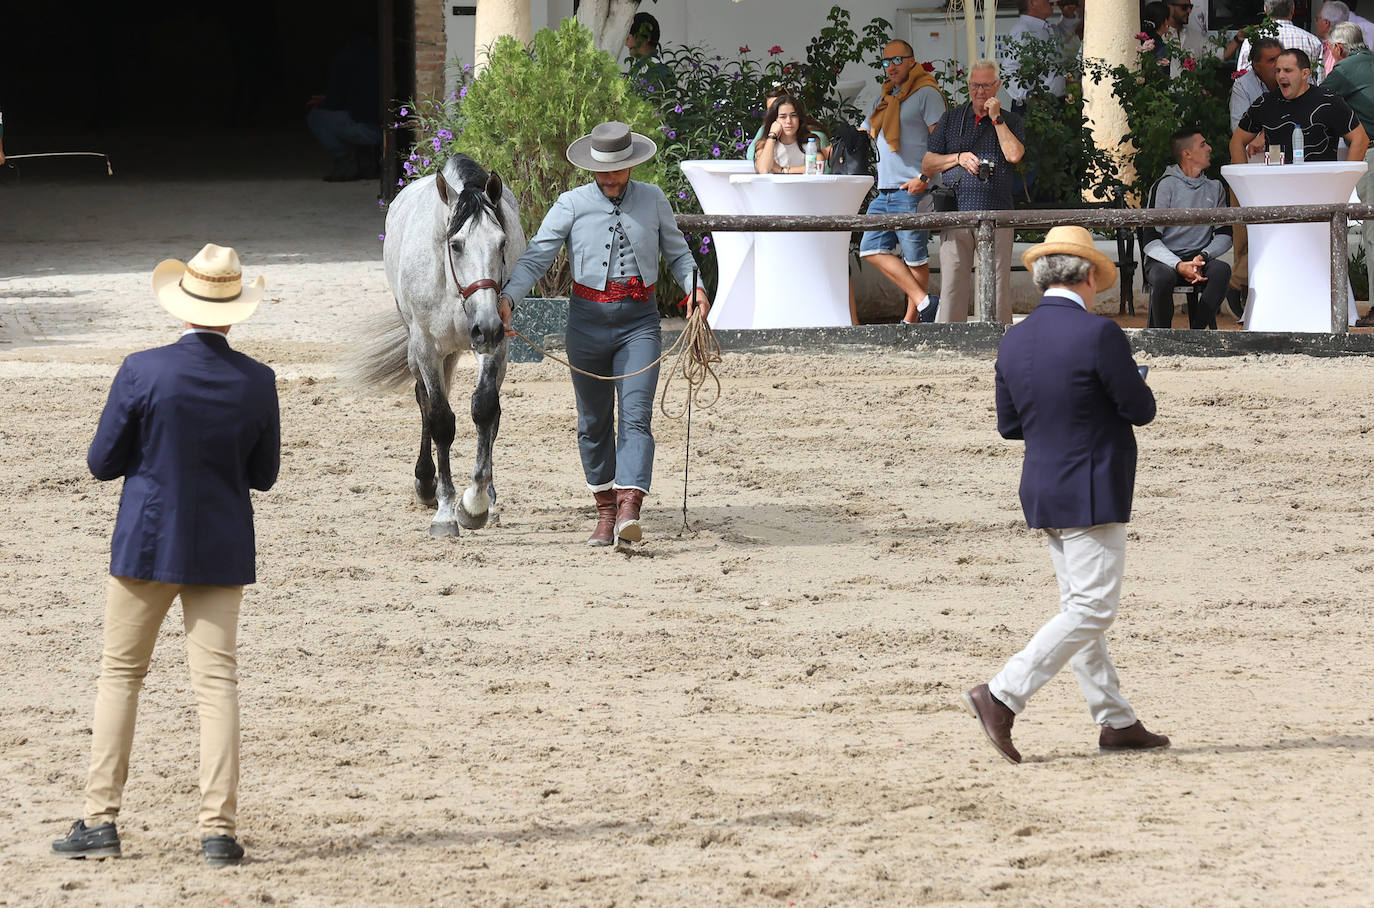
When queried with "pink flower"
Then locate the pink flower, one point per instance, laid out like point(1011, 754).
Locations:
point(1142, 36)
point(1189, 64)
point(744, 49)
point(1147, 45)
point(774, 50)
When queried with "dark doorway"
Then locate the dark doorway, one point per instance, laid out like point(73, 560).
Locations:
point(184, 89)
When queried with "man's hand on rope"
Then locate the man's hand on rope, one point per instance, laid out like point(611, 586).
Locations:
point(701, 303)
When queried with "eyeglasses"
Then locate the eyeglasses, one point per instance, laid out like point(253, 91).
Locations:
point(983, 86)
point(893, 61)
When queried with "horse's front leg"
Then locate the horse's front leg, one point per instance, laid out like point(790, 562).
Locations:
point(479, 500)
point(439, 417)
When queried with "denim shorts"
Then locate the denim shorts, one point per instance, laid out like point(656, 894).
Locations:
point(914, 242)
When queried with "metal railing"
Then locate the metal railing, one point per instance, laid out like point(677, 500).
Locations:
point(984, 223)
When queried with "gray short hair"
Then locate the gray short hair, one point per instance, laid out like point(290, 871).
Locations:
point(1334, 11)
point(1051, 270)
point(1348, 35)
point(1278, 9)
point(986, 64)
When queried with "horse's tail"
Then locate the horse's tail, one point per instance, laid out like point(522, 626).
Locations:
point(380, 360)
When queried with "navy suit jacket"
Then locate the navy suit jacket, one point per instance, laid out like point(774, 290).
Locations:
point(1066, 383)
point(191, 427)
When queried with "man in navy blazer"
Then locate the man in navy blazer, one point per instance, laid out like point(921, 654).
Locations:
point(1067, 385)
point(191, 427)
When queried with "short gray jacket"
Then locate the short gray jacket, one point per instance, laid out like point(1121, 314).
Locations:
point(584, 218)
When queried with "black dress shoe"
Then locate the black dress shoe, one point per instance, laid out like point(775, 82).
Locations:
point(1132, 737)
point(221, 850)
point(96, 842)
point(995, 718)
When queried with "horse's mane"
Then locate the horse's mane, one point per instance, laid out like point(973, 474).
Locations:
point(472, 197)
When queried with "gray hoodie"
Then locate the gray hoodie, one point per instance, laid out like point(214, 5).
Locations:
point(1178, 190)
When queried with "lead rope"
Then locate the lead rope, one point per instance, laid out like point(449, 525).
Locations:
point(697, 352)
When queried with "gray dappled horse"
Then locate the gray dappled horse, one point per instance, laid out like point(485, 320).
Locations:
point(451, 239)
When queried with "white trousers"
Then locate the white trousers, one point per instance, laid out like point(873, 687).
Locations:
point(1089, 562)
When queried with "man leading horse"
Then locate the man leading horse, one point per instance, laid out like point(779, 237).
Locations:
point(615, 229)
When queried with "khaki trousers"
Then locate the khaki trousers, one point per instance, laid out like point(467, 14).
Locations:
point(958, 258)
point(1240, 246)
point(134, 610)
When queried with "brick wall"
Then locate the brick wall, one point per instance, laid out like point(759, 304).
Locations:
point(431, 48)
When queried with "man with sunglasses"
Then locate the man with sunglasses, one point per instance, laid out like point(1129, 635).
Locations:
point(900, 125)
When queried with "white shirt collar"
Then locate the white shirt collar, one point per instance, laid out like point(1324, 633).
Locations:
point(1067, 294)
point(204, 331)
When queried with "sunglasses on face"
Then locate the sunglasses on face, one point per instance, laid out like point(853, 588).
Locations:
point(893, 61)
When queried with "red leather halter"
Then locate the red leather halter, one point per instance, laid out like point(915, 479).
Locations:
point(485, 283)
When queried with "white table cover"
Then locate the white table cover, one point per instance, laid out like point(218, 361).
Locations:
point(733, 304)
point(1290, 264)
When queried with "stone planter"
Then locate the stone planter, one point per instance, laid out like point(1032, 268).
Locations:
point(537, 318)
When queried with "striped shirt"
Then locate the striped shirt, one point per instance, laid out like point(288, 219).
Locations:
point(1290, 36)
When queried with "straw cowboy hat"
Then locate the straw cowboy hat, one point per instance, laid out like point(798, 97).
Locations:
point(208, 290)
point(611, 146)
point(1066, 240)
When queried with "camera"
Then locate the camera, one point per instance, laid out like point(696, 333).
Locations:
point(985, 169)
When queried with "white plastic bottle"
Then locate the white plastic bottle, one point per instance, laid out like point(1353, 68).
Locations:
point(1297, 145)
point(812, 163)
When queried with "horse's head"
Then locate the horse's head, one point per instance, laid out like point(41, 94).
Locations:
point(850, 151)
point(475, 247)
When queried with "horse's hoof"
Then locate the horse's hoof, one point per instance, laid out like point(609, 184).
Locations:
point(445, 529)
point(426, 496)
point(472, 521)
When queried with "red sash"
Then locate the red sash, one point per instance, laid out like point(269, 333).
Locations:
point(633, 288)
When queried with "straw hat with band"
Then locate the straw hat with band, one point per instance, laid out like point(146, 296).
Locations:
point(611, 146)
point(208, 290)
point(1073, 240)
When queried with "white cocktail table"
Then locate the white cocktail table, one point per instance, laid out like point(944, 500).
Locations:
point(733, 304)
point(1290, 264)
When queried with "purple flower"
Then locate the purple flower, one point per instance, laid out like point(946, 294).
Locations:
point(715, 151)
point(414, 156)
point(400, 182)
point(381, 203)
point(425, 162)
point(381, 236)
point(739, 146)
point(681, 194)
point(737, 76)
point(437, 143)
point(704, 249)
point(445, 134)
point(738, 133)
point(706, 241)
point(405, 112)
point(672, 133)
point(463, 92)
point(453, 96)
point(677, 108)
point(650, 87)
point(467, 67)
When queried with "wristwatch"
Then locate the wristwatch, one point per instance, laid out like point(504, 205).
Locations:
point(1204, 256)
point(997, 121)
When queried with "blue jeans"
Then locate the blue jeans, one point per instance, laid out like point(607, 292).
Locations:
point(914, 242)
point(615, 339)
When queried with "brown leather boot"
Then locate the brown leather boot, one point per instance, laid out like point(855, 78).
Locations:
point(628, 502)
point(604, 533)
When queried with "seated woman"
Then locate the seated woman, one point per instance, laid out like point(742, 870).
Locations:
point(785, 131)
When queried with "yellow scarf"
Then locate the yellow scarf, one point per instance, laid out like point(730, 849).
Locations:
point(887, 115)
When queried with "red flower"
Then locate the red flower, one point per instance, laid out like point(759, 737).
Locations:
point(744, 49)
point(1141, 36)
point(1189, 63)
point(1238, 73)
point(928, 67)
point(787, 68)
point(774, 50)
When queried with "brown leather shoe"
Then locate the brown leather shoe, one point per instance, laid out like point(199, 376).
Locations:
point(605, 518)
point(995, 718)
point(628, 502)
point(1132, 737)
point(1366, 320)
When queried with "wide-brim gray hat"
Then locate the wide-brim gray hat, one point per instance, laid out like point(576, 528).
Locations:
point(611, 146)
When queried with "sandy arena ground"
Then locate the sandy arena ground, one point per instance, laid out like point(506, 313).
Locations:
point(762, 710)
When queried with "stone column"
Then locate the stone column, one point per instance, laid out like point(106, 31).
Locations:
point(1109, 29)
point(496, 18)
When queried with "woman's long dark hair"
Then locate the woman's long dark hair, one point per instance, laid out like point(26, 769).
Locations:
point(805, 125)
